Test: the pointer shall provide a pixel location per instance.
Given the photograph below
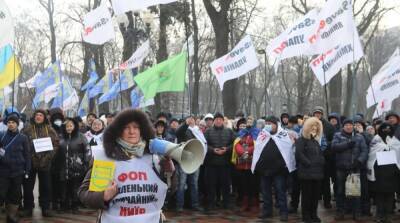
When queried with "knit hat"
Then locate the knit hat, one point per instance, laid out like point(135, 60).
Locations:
point(239, 122)
point(13, 118)
point(218, 115)
point(392, 113)
point(348, 121)
point(318, 109)
point(272, 119)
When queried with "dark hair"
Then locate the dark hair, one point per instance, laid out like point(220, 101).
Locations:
point(114, 130)
point(64, 125)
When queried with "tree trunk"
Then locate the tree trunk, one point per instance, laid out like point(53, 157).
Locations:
point(196, 70)
point(220, 22)
point(335, 93)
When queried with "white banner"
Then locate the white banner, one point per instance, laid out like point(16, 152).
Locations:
point(42, 144)
point(327, 65)
point(386, 83)
point(293, 41)
point(6, 24)
point(98, 26)
point(31, 82)
point(122, 6)
point(137, 57)
point(383, 106)
point(335, 25)
point(242, 59)
point(50, 92)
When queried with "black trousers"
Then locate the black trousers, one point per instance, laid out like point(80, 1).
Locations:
point(10, 190)
point(217, 175)
point(384, 204)
point(329, 177)
point(44, 189)
point(56, 194)
point(295, 190)
point(310, 194)
point(249, 183)
point(69, 193)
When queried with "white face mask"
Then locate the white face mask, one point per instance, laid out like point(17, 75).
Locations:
point(58, 122)
point(268, 128)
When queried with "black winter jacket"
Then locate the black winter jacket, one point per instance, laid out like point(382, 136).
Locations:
point(17, 158)
point(309, 159)
point(184, 134)
point(346, 155)
point(218, 137)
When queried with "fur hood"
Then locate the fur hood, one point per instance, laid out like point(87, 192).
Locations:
point(114, 131)
point(308, 124)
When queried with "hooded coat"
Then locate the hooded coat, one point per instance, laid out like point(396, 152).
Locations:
point(42, 160)
point(309, 156)
point(113, 151)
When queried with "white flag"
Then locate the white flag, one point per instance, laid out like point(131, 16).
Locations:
point(50, 92)
point(31, 82)
point(327, 65)
point(122, 6)
point(383, 106)
point(137, 57)
point(189, 42)
point(386, 83)
point(239, 61)
point(6, 24)
point(335, 25)
point(293, 41)
point(98, 26)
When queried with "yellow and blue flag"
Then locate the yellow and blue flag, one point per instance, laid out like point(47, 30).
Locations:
point(9, 66)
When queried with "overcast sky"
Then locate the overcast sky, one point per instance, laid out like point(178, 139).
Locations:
point(32, 6)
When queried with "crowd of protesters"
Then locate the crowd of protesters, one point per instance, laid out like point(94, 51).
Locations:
point(257, 165)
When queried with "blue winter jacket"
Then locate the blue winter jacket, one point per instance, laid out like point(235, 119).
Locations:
point(17, 158)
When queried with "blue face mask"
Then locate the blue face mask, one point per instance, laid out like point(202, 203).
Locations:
point(268, 128)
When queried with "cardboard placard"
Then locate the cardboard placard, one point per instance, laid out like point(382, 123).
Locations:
point(42, 145)
point(102, 175)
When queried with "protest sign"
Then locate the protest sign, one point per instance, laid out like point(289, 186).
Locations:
point(42, 145)
point(102, 175)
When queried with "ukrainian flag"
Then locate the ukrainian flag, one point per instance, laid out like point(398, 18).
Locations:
point(9, 66)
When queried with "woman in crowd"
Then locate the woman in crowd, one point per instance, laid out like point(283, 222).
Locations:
point(310, 168)
point(72, 161)
point(126, 143)
point(95, 135)
point(384, 179)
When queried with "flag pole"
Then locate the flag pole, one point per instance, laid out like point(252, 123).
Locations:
point(13, 87)
point(325, 87)
point(120, 87)
point(372, 89)
point(188, 65)
point(29, 91)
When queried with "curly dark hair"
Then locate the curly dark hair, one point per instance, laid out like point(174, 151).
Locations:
point(114, 130)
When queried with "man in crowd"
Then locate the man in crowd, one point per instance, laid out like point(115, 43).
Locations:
point(351, 155)
point(41, 163)
point(394, 119)
point(217, 166)
point(273, 160)
point(209, 118)
point(186, 132)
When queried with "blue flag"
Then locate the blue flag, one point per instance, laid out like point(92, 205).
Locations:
point(46, 84)
point(102, 86)
point(65, 90)
point(136, 97)
point(92, 76)
point(126, 81)
point(83, 109)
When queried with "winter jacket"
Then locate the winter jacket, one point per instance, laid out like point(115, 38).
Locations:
point(73, 157)
point(184, 134)
point(310, 159)
point(329, 130)
point(42, 160)
point(347, 155)
point(218, 137)
point(241, 146)
point(383, 178)
point(16, 160)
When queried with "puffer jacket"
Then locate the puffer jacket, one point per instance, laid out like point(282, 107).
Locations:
point(73, 157)
point(43, 160)
point(346, 155)
point(16, 160)
point(218, 137)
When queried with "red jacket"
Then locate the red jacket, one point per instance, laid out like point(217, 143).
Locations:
point(242, 145)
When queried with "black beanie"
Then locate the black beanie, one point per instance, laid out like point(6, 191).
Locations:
point(13, 118)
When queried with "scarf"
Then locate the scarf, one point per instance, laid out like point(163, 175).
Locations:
point(253, 132)
point(132, 149)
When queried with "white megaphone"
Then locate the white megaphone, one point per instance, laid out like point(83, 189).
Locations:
point(190, 155)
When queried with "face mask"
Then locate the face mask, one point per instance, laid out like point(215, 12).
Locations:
point(268, 128)
point(58, 122)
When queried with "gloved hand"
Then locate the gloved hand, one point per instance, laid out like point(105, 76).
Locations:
point(351, 144)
